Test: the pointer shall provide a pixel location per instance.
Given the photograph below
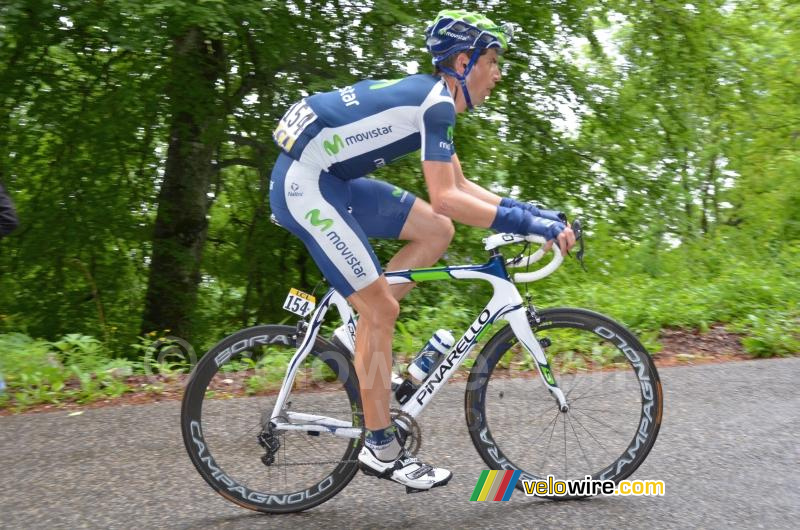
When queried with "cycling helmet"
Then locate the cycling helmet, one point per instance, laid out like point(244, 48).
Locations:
point(452, 32)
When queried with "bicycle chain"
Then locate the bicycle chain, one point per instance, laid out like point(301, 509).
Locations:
point(317, 463)
point(413, 441)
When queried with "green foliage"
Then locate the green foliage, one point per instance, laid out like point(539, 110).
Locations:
point(671, 128)
point(75, 368)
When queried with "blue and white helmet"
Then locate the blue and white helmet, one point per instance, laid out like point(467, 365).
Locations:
point(454, 31)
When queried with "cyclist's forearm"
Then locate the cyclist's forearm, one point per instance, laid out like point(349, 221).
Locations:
point(470, 187)
point(464, 208)
point(479, 192)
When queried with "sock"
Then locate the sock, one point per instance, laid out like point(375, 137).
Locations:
point(383, 443)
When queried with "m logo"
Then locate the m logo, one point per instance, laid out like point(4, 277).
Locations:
point(449, 143)
point(334, 145)
point(313, 216)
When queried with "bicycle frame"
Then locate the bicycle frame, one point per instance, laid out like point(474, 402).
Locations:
point(506, 304)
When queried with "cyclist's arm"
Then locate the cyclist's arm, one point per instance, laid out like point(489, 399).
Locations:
point(448, 199)
point(470, 187)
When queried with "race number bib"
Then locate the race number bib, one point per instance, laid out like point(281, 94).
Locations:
point(299, 303)
point(294, 122)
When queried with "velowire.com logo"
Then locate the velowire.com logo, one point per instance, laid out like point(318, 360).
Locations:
point(495, 485)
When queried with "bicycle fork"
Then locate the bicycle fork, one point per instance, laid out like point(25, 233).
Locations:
point(518, 319)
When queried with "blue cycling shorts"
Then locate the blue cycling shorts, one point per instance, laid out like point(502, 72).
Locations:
point(334, 218)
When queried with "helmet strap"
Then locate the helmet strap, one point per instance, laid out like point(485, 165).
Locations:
point(462, 78)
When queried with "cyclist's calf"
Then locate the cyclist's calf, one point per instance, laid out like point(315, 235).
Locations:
point(378, 311)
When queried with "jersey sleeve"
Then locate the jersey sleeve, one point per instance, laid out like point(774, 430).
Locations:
point(436, 131)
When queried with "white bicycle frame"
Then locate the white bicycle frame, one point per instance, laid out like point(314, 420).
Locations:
point(506, 304)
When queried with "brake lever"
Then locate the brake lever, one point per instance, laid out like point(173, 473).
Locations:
point(578, 231)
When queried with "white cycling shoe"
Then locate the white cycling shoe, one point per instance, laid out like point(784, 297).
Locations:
point(407, 470)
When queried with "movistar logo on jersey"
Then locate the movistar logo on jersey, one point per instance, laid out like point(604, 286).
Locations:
point(449, 143)
point(313, 217)
point(367, 135)
point(334, 146)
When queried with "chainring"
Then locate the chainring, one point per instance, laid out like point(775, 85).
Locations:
point(411, 435)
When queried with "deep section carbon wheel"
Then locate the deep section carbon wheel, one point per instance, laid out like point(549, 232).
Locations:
point(230, 434)
point(612, 389)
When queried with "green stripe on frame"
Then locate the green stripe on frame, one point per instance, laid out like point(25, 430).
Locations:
point(479, 486)
point(424, 276)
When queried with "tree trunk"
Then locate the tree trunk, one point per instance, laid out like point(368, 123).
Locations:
point(181, 222)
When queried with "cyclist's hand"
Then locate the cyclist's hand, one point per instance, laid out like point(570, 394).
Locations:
point(519, 221)
point(566, 240)
point(553, 215)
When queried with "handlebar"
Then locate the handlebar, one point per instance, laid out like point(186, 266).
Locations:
point(499, 240)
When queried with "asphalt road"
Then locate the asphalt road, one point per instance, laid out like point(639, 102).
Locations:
point(727, 451)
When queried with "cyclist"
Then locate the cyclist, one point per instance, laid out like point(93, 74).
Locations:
point(331, 141)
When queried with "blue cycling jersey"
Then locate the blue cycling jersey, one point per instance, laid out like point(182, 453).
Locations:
point(352, 131)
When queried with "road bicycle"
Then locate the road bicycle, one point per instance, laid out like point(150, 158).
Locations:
point(564, 392)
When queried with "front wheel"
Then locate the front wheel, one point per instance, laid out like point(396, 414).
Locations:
point(611, 385)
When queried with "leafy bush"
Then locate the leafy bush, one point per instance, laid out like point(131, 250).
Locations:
point(76, 367)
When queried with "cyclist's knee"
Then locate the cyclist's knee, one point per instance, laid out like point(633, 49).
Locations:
point(441, 233)
point(446, 230)
point(377, 305)
point(385, 312)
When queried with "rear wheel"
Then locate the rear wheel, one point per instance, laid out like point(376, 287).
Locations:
point(611, 385)
point(229, 432)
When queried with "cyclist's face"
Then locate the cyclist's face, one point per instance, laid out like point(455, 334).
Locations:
point(483, 77)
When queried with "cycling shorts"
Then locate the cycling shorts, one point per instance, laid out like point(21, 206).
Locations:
point(334, 218)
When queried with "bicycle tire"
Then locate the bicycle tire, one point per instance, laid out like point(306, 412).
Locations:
point(586, 351)
point(222, 435)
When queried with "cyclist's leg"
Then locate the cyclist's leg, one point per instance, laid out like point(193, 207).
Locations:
point(389, 212)
point(377, 310)
point(382, 454)
point(313, 205)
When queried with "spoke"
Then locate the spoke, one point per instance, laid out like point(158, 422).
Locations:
point(594, 396)
point(597, 384)
point(550, 439)
point(544, 429)
point(566, 471)
point(285, 448)
point(535, 419)
point(575, 384)
point(592, 436)
point(600, 422)
point(578, 440)
point(598, 410)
